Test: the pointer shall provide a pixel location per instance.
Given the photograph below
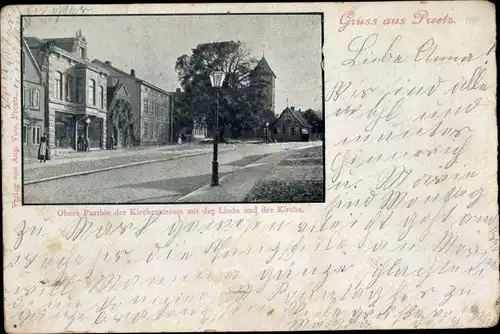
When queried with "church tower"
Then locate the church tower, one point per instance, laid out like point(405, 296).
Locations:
point(263, 76)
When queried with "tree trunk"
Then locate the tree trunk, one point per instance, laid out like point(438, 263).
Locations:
point(222, 129)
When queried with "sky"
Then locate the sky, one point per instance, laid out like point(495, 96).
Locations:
point(291, 45)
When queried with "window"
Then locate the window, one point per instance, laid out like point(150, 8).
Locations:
point(69, 88)
point(27, 98)
point(25, 134)
point(35, 135)
point(101, 97)
point(145, 130)
point(58, 85)
point(35, 98)
point(91, 99)
point(82, 53)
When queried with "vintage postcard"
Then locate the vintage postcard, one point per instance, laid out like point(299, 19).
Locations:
point(249, 167)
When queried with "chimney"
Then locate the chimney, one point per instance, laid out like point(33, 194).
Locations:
point(132, 73)
point(108, 62)
point(178, 90)
point(293, 108)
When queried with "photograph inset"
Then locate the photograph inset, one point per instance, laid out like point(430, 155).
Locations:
point(159, 109)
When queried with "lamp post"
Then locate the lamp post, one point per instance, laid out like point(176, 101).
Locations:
point(267, 132)
point(216, 79)
point(87, 141)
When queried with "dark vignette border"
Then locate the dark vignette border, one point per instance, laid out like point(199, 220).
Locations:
point(182, 14)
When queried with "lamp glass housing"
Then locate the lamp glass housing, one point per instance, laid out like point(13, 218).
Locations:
point(217, 78)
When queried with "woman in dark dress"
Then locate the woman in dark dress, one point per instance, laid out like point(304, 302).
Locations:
point(43, 149)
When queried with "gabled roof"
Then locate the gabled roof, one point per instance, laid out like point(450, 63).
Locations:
point(32, 58)
point(297, 115)
point(128, 75)
point(115, 90)
point(35, 42)
point(264, 66)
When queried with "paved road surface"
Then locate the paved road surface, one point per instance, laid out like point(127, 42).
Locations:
point(160, 182)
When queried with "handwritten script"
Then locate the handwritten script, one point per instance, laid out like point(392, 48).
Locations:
point(407, 238)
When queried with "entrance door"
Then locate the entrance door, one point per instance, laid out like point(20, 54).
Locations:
point(95, 132)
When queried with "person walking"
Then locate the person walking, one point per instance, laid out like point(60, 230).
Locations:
point(43, 148)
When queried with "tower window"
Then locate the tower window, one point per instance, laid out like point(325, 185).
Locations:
point(82, 52)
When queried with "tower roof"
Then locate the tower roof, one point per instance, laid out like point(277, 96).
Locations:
point(264, 66)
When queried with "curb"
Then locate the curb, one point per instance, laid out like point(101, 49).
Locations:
point(119, 166)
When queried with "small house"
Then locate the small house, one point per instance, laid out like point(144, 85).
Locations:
point(291, 126)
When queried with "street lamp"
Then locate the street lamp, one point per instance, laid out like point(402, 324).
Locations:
point(87, 141)
point(267, 132)
point(216, 79)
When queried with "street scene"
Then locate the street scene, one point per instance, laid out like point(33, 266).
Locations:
point(228, 111)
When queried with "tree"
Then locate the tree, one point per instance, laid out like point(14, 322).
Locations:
point(240, 104)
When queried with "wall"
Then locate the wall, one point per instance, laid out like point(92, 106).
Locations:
point(287, 128)
point(75, 96)
point(97, 109)
point(33, 117)
point(267, 80)
point(156, 113)
point(133, 87)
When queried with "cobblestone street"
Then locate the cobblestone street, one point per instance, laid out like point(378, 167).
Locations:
point(156, 176)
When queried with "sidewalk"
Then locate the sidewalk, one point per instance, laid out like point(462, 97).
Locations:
point(276, 167)
point(234, 187)
point(88, 162)
point(68, 156)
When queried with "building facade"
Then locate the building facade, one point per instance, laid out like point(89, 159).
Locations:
point(120, 120)
point(291, 126)
point(75, 92)
point(151, 107)
point(33, 108)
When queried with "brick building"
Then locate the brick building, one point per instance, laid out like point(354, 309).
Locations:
point(75, 91)
point(291, 126)
point(152, 106)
